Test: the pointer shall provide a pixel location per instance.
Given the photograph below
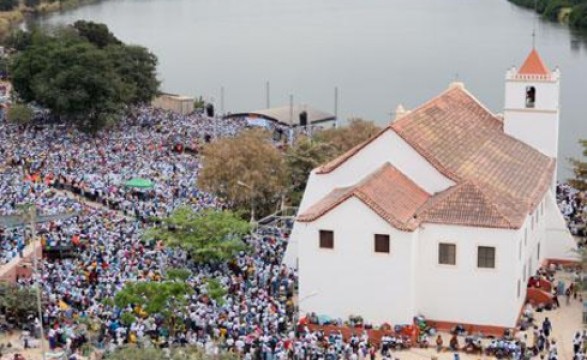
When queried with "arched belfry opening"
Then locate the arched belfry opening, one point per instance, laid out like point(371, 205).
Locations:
point(530, 97)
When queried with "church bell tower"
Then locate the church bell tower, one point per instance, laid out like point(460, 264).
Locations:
point(531, 111)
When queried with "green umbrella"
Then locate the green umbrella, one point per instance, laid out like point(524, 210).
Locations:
point(139, 183)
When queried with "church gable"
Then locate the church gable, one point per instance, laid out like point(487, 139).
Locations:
point(388, 192)
point(462, 142)
point(456, 133)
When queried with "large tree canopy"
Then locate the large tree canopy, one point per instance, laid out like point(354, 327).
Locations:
point(97, 34)
point(307, 154)
point(247, 170)
point(83, 76)
point(16, 303)
point(344, 138)
point(207, 235)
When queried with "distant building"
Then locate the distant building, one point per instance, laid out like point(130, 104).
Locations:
point(297, 115)
point(177, 103)
point(446, 212)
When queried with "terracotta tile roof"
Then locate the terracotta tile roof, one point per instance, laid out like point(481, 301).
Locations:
point(534, 65)
point(464, 204)
point(387, 191)
point(499, 179)
point(458, 133)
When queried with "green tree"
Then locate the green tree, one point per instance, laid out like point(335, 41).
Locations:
point(80, 82)
point(18, 304)
point(73, 79)
point(160, 298)
point(19, 114)
point(19, 40)
point(178, 274)
point(301, 158)
point(579, 182)
point(578, 17)
point(248, 171)
point(97, 34)
point(209, 235)
point(137, 68)
point(216, 291)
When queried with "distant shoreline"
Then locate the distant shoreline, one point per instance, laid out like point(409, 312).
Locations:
point(575, 16)
point(10, 19)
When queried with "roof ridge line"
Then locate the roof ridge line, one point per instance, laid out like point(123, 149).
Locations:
point(485, 108)
point(360, 195)
point(489, 201)
point(334, 205)
point(434, 199)
point(428, 157)
point(421, 106)
point(342, 158)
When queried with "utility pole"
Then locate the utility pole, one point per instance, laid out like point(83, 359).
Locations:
point(32, 213)
point(336, 105)
point(222, 100)
point(291, 100)
point(215, 118)
point(267, 93)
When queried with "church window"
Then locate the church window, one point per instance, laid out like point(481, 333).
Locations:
point(518, 289)
point(520, 251)
point(326, 239)
point(530, 96)
point(524, 272)
point(447, 254)
point(381, 243)
point(486, 257)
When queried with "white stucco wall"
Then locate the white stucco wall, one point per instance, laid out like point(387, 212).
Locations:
point(465, 293)
point(352, 278)
point(529, 249)
point(538, 126)
point(388, 147)
point(547, 94)
point(535, 128)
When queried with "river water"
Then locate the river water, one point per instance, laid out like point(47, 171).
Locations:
point(377, 52)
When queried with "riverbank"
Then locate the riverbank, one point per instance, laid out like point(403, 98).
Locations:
point(10, 19)
point(571, 12)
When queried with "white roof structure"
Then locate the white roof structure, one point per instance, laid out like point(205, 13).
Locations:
point(290, 116)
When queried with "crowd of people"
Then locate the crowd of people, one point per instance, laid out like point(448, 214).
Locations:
point(44, 164)
point(572, 205)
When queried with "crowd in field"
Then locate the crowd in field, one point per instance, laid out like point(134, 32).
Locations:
point(42, 160)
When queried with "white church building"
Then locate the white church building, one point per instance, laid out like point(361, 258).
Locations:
point(445, 213)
